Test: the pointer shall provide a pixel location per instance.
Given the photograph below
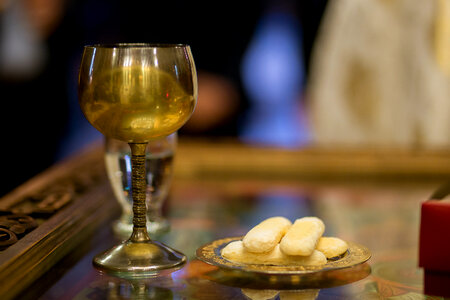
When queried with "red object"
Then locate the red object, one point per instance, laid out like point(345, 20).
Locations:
point(434, 248)
point(437, 283)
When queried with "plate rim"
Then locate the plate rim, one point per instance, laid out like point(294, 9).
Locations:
point(210, 253)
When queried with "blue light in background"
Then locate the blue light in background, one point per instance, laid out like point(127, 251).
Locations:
point(273, 75)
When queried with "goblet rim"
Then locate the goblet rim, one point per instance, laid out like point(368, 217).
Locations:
point(136, 45)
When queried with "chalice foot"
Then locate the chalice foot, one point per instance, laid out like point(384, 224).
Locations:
point(139, 259)
point(139, 255)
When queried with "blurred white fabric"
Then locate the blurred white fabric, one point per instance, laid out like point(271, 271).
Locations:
point(380, 75)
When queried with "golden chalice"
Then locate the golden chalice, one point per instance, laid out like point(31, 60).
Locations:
point(137, 93)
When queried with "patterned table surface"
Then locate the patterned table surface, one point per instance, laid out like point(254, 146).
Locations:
point(383, 215)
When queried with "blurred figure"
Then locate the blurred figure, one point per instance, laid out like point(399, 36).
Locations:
point(218, 103)
point(381, 75)
point(41, 42)
point(273, 75)
point(33, 105)
point(22, 53)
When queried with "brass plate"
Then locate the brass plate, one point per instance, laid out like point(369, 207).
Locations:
point(211, 254)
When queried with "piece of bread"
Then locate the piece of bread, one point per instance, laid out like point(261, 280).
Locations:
point(302, 236)
point(236, 252)
point(331, 246)
point(266, 235)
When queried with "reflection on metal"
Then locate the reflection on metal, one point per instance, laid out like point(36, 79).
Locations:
point(211, 254)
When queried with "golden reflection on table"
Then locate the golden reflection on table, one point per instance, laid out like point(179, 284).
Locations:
point(380, 212)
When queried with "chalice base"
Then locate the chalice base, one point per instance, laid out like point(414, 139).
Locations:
point(139, 259)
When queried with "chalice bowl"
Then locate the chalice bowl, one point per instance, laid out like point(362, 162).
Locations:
point(137, 93)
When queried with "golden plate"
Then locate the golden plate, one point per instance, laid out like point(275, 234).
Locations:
point(211, 254)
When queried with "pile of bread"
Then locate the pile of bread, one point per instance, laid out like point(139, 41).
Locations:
point(276, 241)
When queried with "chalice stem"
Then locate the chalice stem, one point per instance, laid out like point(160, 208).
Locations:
point(138, 191)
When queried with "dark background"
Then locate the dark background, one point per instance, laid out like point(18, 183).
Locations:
point(41, 112)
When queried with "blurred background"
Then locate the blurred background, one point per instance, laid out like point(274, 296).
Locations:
point(285, 74)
